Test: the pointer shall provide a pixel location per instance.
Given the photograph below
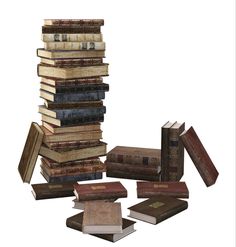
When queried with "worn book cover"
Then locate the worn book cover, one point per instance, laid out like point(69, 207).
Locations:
point(157, 209)
point(80, 205)
point(75, 222)
point(71, 29)
point(73, 22)
point(99, 191)
point(152, 189)
point(199, 156)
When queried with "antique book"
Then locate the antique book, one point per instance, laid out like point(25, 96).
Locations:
point(102, 218)
point(74, 121)
point(72, 62)
point(52, 190)
point(72, 72)
point(71, 29)
point(72, 22)
point(73, 97)
point(75, 222)
point(78, 128)
point(30, 152)
point(70, 54)
point(134, 175)
point(157, 209)
point(199, 156)
point(74, 89)
point(135, 155)
point(80, 205)
point(82, 153)
point(70, 82)
point(152, 189)
point(80, 177)
point(99, 191)
point(74, 45)
point(71, 37)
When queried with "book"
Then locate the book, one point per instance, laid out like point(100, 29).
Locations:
point(78, 128)
point(135, 155)
point(74, 45)
point(70, 54)
point(30, 152)
point(72, 72)
point(72, 122)
point(71, 29)
point(155, 210)
point(72, 22)
point(102, 218)
point(80, 205)
point(153, 189)
point(52, 190)
point(99, 191)
point(75, 222)
point(134, 175)
point(74, 89)
point(199, 156)
point(71, 37)
point(80, 177)
point(82, 153)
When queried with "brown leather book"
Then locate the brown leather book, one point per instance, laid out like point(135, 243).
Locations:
point(75, 222)
point(72, 22)
point(153, 189)
point(157, 209)
point(134, 155)
point(30, 152)
point(99, 191)
point(199, 156)
point(71, 29)
point(52, 190)
point(102, 218)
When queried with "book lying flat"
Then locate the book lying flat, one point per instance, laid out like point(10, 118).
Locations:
point(52, 190)
point(157, 209)
point(75, 222)
point(72, 22)
point(152, 189)
point(71, 29)
point(71, 37)
point(80, 205)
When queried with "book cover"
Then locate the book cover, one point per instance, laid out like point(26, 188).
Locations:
point(71, 37)
point(71, 29)
point(72, 22)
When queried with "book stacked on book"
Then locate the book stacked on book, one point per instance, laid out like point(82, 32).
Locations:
point(134, 163)
point(71, 70)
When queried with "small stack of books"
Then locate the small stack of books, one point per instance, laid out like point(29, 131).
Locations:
point(72, 87)
point(134, 163)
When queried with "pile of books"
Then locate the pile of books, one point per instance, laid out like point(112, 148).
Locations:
point(72, 87)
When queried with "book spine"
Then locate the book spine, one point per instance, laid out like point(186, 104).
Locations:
point(71, 29)
point(102, 196)
point(71, 22)
point(74, 225)
point(150, 194)
point(54, 194)
point(83, 120)
point(164, 153)
point(72, 37)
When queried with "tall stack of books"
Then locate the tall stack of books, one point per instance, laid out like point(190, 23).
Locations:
point(71, 70)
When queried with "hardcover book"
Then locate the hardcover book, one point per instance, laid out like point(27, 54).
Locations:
point(102, 218)
point(52, 190)
point(75, 222)
point(99, 191)
point(71, 37)
point(30, 152)
point(80, 205)
point(155, 210)
point(71, 29)
point(153, 189)
point(72, 22)
point(199, 156)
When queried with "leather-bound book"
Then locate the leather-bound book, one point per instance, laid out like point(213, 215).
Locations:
point(99, 191)
point(199, 156)
point(102, 218)
point(71, 29)
point(75, 222)
point(157, 209)
point(52, 190)
point(153, 189)
point(73, 22)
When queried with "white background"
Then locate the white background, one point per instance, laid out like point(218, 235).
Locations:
point(169, 60)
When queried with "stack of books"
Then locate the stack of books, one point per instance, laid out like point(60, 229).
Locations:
point(71, 70)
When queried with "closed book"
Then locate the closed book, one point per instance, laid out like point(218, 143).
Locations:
point(30, 152)
point(80, 177)
point(72, 97)
point(199, 156)
point(71, 37)
point(72, 72)
point(135, 155)
point(131, 175)
point(70, 54)
point(80, 205)
point(153, 189)
point(71, 29)
point(75, 222)
point(52, 190)
point(155, 210)
point(72, 22)
point(76, 154)
point(74, 45)
point(99, 191)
